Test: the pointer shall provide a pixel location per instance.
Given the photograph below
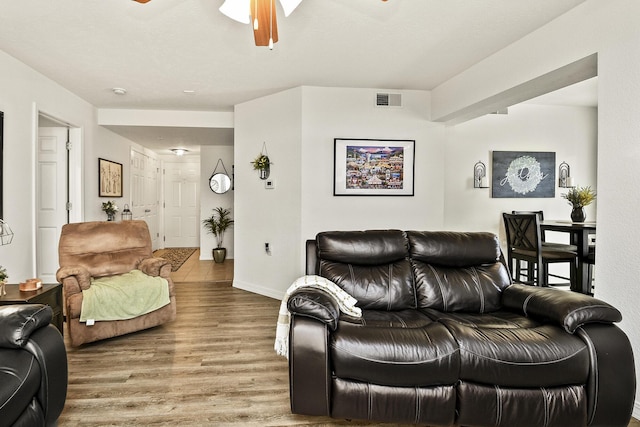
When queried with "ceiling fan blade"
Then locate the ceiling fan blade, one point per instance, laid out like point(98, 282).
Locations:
point(142, 1)
point(263, 10)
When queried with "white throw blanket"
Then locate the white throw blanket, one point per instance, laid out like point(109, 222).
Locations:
point(346, 302)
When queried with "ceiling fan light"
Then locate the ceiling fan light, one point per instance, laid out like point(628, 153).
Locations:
point(289, 6)
point(238, 10)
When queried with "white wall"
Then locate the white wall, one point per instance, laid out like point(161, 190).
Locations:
point(330, 113)
point(23, 92)
point(209, 156)
point(609, 29)
point(262, 215)
point(570, 132)
point(299, 127)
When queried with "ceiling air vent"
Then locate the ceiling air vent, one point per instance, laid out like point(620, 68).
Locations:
point(388, 100)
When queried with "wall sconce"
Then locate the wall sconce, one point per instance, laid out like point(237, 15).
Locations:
point(480, 176)
point(127, 215)
point(564, 176)
point(6, 235)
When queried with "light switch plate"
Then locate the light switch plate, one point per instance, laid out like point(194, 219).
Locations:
point(269, 184)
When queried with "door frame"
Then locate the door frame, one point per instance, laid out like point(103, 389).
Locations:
point(75, 168)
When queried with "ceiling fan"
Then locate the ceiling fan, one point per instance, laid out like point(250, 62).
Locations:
point(262, 13)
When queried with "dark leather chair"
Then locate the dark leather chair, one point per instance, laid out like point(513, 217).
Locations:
point(33, 367)
point(524, 244)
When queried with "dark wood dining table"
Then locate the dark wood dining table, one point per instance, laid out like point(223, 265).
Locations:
point(579, 235)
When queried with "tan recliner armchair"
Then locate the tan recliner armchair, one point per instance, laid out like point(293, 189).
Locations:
point(102, 248)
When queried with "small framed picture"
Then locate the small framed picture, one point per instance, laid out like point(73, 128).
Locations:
point(373, 167)
point(109, 178)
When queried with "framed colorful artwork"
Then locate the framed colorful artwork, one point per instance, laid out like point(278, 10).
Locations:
point(373, 167)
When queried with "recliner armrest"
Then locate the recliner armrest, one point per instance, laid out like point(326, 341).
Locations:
point(18, 322)
point(315, 304)
point(568, 309)
point(155, 267)
point(74, 278)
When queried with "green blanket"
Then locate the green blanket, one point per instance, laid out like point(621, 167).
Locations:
point(123, 297)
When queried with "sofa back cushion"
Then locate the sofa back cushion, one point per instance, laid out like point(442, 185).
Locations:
point(456, 271)
point(372, 266)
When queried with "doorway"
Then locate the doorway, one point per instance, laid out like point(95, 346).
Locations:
point(58, 195)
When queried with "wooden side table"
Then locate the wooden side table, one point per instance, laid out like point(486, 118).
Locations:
point(49, 294)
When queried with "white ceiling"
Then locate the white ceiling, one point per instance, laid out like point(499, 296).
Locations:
point(159, 49)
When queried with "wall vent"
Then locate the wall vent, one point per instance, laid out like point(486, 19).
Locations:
point(388, 100)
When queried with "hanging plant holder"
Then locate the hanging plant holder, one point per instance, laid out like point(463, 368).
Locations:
point(262, 163)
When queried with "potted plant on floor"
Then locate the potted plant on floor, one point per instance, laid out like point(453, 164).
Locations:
point(217, 224)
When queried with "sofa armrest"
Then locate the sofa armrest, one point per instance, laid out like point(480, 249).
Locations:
point(47, 345)
point(309, 370)
point(315, 304)
point(567, 309)
point(74, 279)
point(18, 322)
point(155, 267)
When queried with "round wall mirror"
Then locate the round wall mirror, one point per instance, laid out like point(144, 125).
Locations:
point(219, 183)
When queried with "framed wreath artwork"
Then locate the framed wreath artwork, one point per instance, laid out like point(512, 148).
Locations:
point(109, 178)
point(373, 167)
point(523, 174)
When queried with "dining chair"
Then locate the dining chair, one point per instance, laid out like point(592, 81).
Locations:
point(524, 244)
point(545, 244)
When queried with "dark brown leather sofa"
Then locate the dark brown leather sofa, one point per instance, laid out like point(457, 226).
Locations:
point(33, 367)
point(446, 339)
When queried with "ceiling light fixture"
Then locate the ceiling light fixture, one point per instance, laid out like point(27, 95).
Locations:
point(179, 151)
point(255, 11)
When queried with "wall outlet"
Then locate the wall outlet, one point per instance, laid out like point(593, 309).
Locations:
point(270, 184)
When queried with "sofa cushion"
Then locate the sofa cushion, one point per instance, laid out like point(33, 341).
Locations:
point(376, 287)
point(457, 271)
point(19, 383)
point(454, 249)
point(507, 349)
point(372, 247)
point(472, 289)
point(402, 348)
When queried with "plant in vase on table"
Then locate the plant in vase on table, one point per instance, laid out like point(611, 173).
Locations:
point(578, 198)
point(110, 208)
point(217, 224)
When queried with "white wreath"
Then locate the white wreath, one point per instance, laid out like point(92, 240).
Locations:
point(520, 183)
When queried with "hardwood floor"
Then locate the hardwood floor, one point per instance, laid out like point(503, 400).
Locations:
point(213, 366)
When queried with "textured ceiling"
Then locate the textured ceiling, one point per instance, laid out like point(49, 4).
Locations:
point(159, 49)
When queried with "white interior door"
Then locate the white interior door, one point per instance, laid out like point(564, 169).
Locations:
point(144, 193)
point(52, 197)
point(182, 204)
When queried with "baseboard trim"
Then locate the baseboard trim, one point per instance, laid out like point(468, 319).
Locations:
point(257, 289)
